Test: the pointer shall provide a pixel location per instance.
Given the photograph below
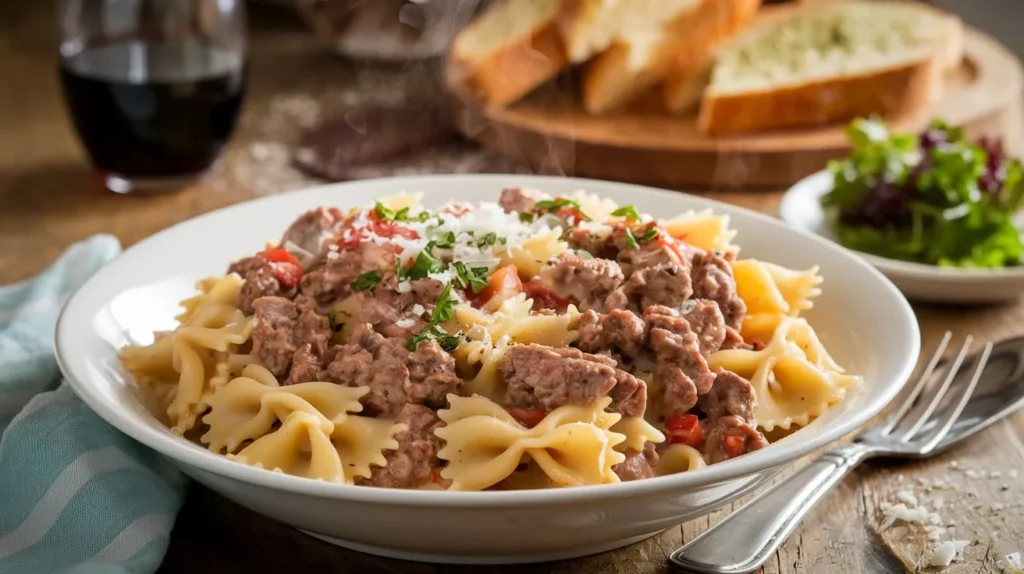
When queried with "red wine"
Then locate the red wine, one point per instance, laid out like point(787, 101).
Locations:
point(153, 110)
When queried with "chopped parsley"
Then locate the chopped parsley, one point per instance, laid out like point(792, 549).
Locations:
point(489, 240)
point(446, 341)
point(401, 272)
point(629, 212)
point(470, 277)
point(387, 214)
point(444, 310)
point(554, 205)
point(425, 264)
point(525, 217)
point(649, 234)
point(445, 240)
point(631, 240)
point(367, 281)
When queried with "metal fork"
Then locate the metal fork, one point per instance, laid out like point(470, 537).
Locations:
point(743, 541)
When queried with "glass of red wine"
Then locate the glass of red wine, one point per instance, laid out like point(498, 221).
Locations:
point(153, 87)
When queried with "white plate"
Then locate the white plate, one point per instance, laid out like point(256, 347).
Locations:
point(801, 209)
point(861, 316)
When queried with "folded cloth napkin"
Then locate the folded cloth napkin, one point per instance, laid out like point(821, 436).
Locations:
point(76, 495)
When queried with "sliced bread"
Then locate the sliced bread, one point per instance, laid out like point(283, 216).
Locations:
point(826, 63)
point(589, 27)
point(633, 65)
point(690, 68)
point(507, 51)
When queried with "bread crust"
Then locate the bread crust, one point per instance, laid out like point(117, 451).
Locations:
point(609, 83)
point(510, 73)
point(892, 92)
point(689, 68)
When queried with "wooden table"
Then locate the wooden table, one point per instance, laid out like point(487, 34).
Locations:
point(49, 199)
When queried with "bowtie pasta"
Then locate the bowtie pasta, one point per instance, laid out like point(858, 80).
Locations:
point(536, 342)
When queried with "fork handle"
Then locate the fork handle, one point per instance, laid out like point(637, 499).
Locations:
point(745, 539)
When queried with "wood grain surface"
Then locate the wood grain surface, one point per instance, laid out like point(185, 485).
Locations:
point(50, 199)
point(645, 144)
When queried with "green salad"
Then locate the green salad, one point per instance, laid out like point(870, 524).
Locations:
point(933, 198)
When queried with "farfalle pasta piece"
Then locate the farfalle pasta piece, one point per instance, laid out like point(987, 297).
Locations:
point(573, 445)
point(301, 447)
point(532, 254)
point(479, 362)
point(248, 407)
point(211, 328)
point(514, 320)
point(638, 432)
point(770, 292)
point(702, 229)
point(679, 458)
point(794, 377)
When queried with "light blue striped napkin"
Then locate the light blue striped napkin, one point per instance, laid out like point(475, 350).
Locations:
point(76, 495)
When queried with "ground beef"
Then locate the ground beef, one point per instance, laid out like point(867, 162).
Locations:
point(733, 340)
point(713, 279)
point(282, 327)
point(664, 284)
point(414, 462)
point(431, 375)
point(259, 282)
point(716, 431)
point(334, 280)
point(681, 369)
point(637, 464)
point(311, 228)
point(390, 312)
point(518, 199)
point(547, 378)
point(384, 372)
point(618, 331)
point(730, 395)
point(597, 245)
point(394, 375)
point(645, 256)
point(586, 281)
point(629, 395)
point(707, 322)
point(305, 367)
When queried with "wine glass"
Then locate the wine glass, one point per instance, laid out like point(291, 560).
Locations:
point(153, 87)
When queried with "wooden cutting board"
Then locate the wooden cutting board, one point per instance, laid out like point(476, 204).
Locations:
point(551, 131)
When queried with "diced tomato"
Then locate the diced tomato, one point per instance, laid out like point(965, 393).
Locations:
point(734, 445)
point(279, 255)
point(352, 237)
point(501, 285)
point(571, 213)
point(684, 429)
point(543, 297)
point(528, 417)
point(284, 266)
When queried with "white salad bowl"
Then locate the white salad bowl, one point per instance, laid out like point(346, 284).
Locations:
point(861, 317)
point(801, 208)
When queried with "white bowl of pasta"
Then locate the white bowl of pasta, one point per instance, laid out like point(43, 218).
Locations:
point(426, 374)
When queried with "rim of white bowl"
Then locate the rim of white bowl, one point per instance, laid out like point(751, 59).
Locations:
point(179, 449)
point(910, 269)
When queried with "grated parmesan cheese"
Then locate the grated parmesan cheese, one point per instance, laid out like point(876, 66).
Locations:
point(404, 287)
point(907, 497)
point(405, 323)
point(418, 310)
point(901, 512)
point(947, 552)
